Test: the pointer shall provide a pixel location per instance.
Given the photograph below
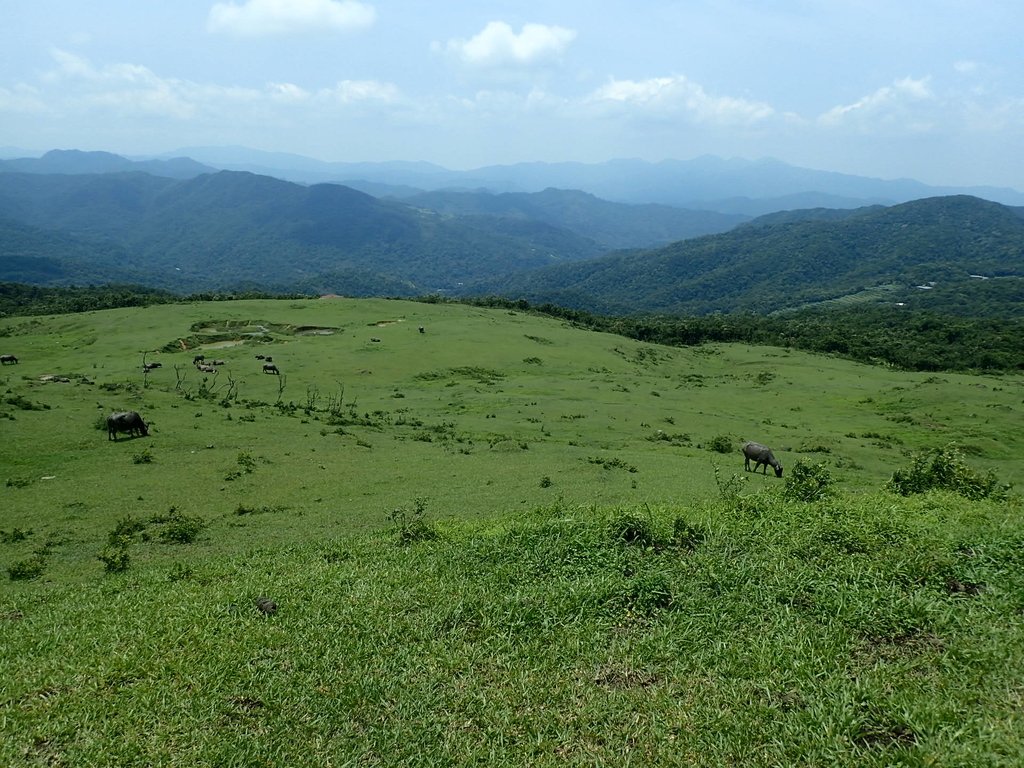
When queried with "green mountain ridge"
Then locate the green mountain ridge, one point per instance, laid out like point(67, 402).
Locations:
point(791, 259)
point(241, 231)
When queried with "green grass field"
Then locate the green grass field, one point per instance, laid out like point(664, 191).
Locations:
point(599, 586)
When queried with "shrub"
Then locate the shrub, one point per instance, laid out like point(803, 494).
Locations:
point(945, 468)
point(125, 529)
point(146, 457)
point(178, 528)
point(13, 535)
point(808, 482)
point(720, 444)
point(411, 526)
point(115, 557)
point(28, 569)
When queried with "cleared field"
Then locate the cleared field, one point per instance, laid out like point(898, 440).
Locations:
point(483, 414)
point(498, 540)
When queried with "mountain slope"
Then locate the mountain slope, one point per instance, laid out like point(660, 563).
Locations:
point(790, 260)
point(231, 228)
point(613, 225)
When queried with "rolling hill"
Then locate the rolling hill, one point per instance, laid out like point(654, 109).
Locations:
point(789, 260)
point(232, 228)
point(503, 541)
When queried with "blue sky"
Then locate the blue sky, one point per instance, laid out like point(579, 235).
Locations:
point(929, 90)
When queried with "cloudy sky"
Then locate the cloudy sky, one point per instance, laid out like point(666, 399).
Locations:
point(927, 89)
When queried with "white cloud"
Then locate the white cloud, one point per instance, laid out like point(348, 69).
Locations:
point(678, 94)
point(889, 104)
point(288, 93)
point(497, 45)
point(353, 91)
point(21, 98)
point(263, 18)
point(76, 85)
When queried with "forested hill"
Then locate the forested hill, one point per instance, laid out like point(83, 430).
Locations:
point(790, 260)
point(228, 229)
point(613, 225)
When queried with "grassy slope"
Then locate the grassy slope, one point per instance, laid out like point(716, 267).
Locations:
point(794, 633)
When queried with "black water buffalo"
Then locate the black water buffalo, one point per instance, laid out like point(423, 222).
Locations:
point(8, 360)
point(761, 455)
point(125, 421)
point(151, 366)
point(270, 368)
point(198, 359)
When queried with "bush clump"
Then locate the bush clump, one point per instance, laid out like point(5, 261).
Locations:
point(945, 468)
point(411, 526)
point(178, 528)
point(115, 557)
point(28, 569)
point(719, 444)
point(808, 482)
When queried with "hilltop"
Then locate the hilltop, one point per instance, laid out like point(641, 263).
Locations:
point(447, 532)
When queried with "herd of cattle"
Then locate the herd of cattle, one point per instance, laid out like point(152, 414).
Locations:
point(131, 422)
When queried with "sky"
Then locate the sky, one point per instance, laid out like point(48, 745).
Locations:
point(925, 89)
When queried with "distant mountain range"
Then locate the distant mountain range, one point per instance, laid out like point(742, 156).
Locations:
point(733, 186)
point(88, 218)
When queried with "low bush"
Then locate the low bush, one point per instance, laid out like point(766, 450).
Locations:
point(945, 468)
point(115, 558)
point(808, 482)
point(177, 528)
point(719, 444)
point(411, 526)
point(28, 569)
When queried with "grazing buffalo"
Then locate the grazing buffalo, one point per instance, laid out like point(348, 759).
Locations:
point(760, 455)
point(125, 421)
point(422, 329)
point(8, 360)
point(198, 359)
point(270, 368)
point(151, 366)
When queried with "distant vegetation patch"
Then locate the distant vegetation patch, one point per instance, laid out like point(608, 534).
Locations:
point(481, 375)
point(210, 333)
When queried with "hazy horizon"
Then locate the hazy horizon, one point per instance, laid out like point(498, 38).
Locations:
point(931, 91)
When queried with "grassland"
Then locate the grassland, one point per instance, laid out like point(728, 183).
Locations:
point(501, 540)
